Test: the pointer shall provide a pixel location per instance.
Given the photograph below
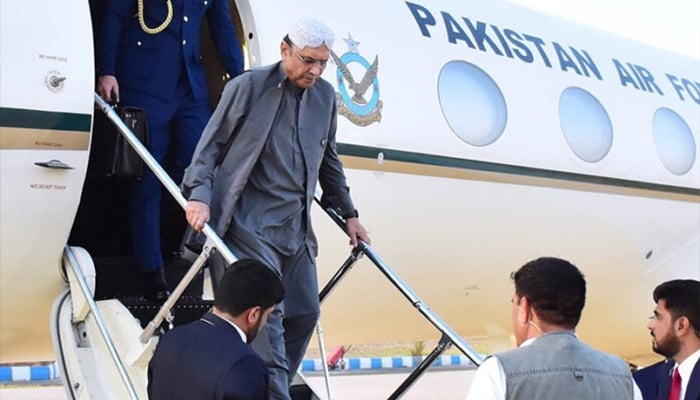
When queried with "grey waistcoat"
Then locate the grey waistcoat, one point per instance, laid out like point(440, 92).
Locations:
point(558, 366)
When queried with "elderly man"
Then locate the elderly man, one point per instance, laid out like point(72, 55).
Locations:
point(254, 173)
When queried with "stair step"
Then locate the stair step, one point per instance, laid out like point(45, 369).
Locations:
point(118, 277)
point(187, 309)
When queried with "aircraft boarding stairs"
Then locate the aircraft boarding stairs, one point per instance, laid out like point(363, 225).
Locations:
point(103, 350)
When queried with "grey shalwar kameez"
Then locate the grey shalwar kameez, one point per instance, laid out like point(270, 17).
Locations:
point(256, 166)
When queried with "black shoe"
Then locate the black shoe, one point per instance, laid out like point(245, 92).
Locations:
point(155, 288)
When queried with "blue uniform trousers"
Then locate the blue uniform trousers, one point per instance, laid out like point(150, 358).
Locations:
point(174, 128)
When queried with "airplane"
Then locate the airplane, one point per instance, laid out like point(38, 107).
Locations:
point(475, 137)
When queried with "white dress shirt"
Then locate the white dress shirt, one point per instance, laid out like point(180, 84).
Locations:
point(685, 369)
point(244, 337)
point(489, 382)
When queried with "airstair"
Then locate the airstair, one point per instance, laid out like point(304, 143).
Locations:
point(103, 350)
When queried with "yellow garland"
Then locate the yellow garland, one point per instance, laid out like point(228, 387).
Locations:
point(153, 31)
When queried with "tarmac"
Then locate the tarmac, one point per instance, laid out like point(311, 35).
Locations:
point(445, 384)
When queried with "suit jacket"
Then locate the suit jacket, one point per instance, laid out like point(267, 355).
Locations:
point(648, 379)
point(237, 133)
point(206, 359)
point(693, 390)
point(655, 381)
point(153, 64)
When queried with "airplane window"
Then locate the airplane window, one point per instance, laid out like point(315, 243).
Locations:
point(585, 124)
point(472, 103)
point(674, 141)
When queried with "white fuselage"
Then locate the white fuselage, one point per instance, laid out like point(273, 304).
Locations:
point(43, 118)
point(487, 135)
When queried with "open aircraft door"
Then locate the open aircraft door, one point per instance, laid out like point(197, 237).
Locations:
point(46, 108)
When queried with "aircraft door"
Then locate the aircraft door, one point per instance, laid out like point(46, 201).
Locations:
point(46, 105)
point(216, 74)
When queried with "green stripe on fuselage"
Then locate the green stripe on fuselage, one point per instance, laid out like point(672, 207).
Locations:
point(371, 153)
point(35, 119)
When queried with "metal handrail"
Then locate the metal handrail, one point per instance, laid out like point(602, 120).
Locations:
point(449, 336)
point(215, 242)
point(421, 306)
point(69, 258)
point(161, 175)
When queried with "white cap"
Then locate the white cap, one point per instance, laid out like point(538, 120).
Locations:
point(310, 32)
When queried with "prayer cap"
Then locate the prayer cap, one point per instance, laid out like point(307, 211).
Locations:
point(310, 32)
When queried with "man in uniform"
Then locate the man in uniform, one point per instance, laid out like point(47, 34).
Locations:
point(149, 56)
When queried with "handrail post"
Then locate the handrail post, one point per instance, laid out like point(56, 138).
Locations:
point(355, 255)
point(164, 311)
point(326, 374)
point(442, 345)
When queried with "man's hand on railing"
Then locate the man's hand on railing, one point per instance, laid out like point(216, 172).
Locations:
point(108, 88)
point(197, 214)
point(356, 231)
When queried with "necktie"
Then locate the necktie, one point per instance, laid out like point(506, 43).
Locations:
point(675, 392)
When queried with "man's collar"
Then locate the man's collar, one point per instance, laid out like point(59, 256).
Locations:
point(686, 367)
point(280, 75)
point(284, 82)
point(242, 334)
point(244, 337)
point(528, 341)
point(532, 339)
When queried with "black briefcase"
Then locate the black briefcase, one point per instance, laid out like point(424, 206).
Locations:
point(111, 155)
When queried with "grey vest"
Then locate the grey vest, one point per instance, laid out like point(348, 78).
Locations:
point(558, 366)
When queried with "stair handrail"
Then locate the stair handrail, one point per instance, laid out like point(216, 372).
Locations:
point(408, 293)
point(213, 240)
point(162, 176)
point(70, 259)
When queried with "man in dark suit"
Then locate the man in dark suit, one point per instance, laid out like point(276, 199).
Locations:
point(148, 55)
point(648, 379)
point(675, 328)
point(210, 358)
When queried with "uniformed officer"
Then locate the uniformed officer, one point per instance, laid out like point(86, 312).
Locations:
point(148, 56)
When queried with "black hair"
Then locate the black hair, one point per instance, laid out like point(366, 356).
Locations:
point(555, 288)
point(245, 284)
point(682, 298)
